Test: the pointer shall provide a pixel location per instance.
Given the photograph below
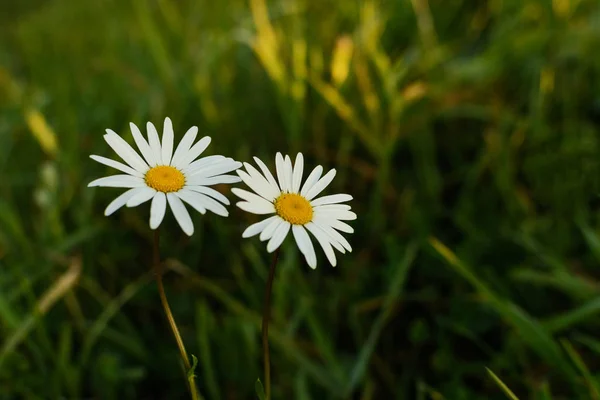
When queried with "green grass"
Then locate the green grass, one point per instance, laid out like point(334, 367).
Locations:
point(467, 132)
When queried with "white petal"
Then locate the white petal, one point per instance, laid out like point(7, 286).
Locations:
point(154, 142)
point(184, 147)
point(217, 169)
point(323, 240)
point(181, 214)
point(297, 174)
point(196, 150)
point(167, 142)
point(267, 189)
point(117, 165)
point(210, 192)
point(124, 181)
point(157, 209)
point(258, 227)
point(280, 169)
point(256, 208)
point(333, 207)
point(125, 151)
point(331, 199)
point(269, 230)
point(313, 177)
point(259, 185)
point(143, 145)
point(213, 205)
point(267, 173)
point(213, 180)
point(120, 201)
point(335, 236)
point(278, 236)
point(192, 198)
point(334, 223)
point(289, 172)
point(341, 215)
point(252, 198)
point(144, 194)
point(202, 162)
point(305, 245)
point(320, 185)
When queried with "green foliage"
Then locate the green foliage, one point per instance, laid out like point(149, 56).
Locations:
point(467, 132)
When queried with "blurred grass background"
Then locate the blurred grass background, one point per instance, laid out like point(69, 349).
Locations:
point(467, 132)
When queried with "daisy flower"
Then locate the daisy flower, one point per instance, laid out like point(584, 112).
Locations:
point(295, 207)
point(166, 177)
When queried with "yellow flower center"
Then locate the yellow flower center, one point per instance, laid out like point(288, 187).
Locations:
point(294, 208)
point(165, 178)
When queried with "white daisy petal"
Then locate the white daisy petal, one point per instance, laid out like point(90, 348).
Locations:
point(256, 208)
point(331, 199)
point(324, 241)
point(280, 169)
point(289, 172)
point(210, 192)
point(333, 207)
point(253, 198)
point(183, 147)
point(145, 193)
point(297, 174)
point(123, 181)
point(192, 198)
point(305, 245)
point(213, 205)
point(120, 201)
point(258, 227)
point(117, 165)
point(167, 141)
point(260, 185)
point(201, 163)
point(313, 177)
point(320, 185)
point(278, 236)
point(267, 189)
point(334, 235)
point(267, 173)
point(341, 215)
point(181, 214)
point(196, 150)
point(217, 169)
point(334, 223)
point(143, 145)
point(154, 142)
point(214, 180)
point(157, 209)
point(269, 230)
point(125, 151)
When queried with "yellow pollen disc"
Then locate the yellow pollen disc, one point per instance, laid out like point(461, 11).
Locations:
point(165, 179)
point(294, 208)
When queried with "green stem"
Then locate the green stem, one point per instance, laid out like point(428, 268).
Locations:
point(265, 326)
point(163, 298)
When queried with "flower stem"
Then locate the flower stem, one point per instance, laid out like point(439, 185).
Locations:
point(265, 326)
point(163, 298)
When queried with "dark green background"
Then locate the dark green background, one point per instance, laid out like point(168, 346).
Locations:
point(467, 132)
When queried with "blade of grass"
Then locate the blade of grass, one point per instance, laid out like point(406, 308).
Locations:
point(502, 386)
point(591, 383)
point(394, 291)
point(530, 330)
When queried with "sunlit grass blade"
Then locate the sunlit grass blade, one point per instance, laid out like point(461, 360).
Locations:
point(502, 386)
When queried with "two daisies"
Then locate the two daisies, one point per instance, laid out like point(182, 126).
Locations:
point(174, 176)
